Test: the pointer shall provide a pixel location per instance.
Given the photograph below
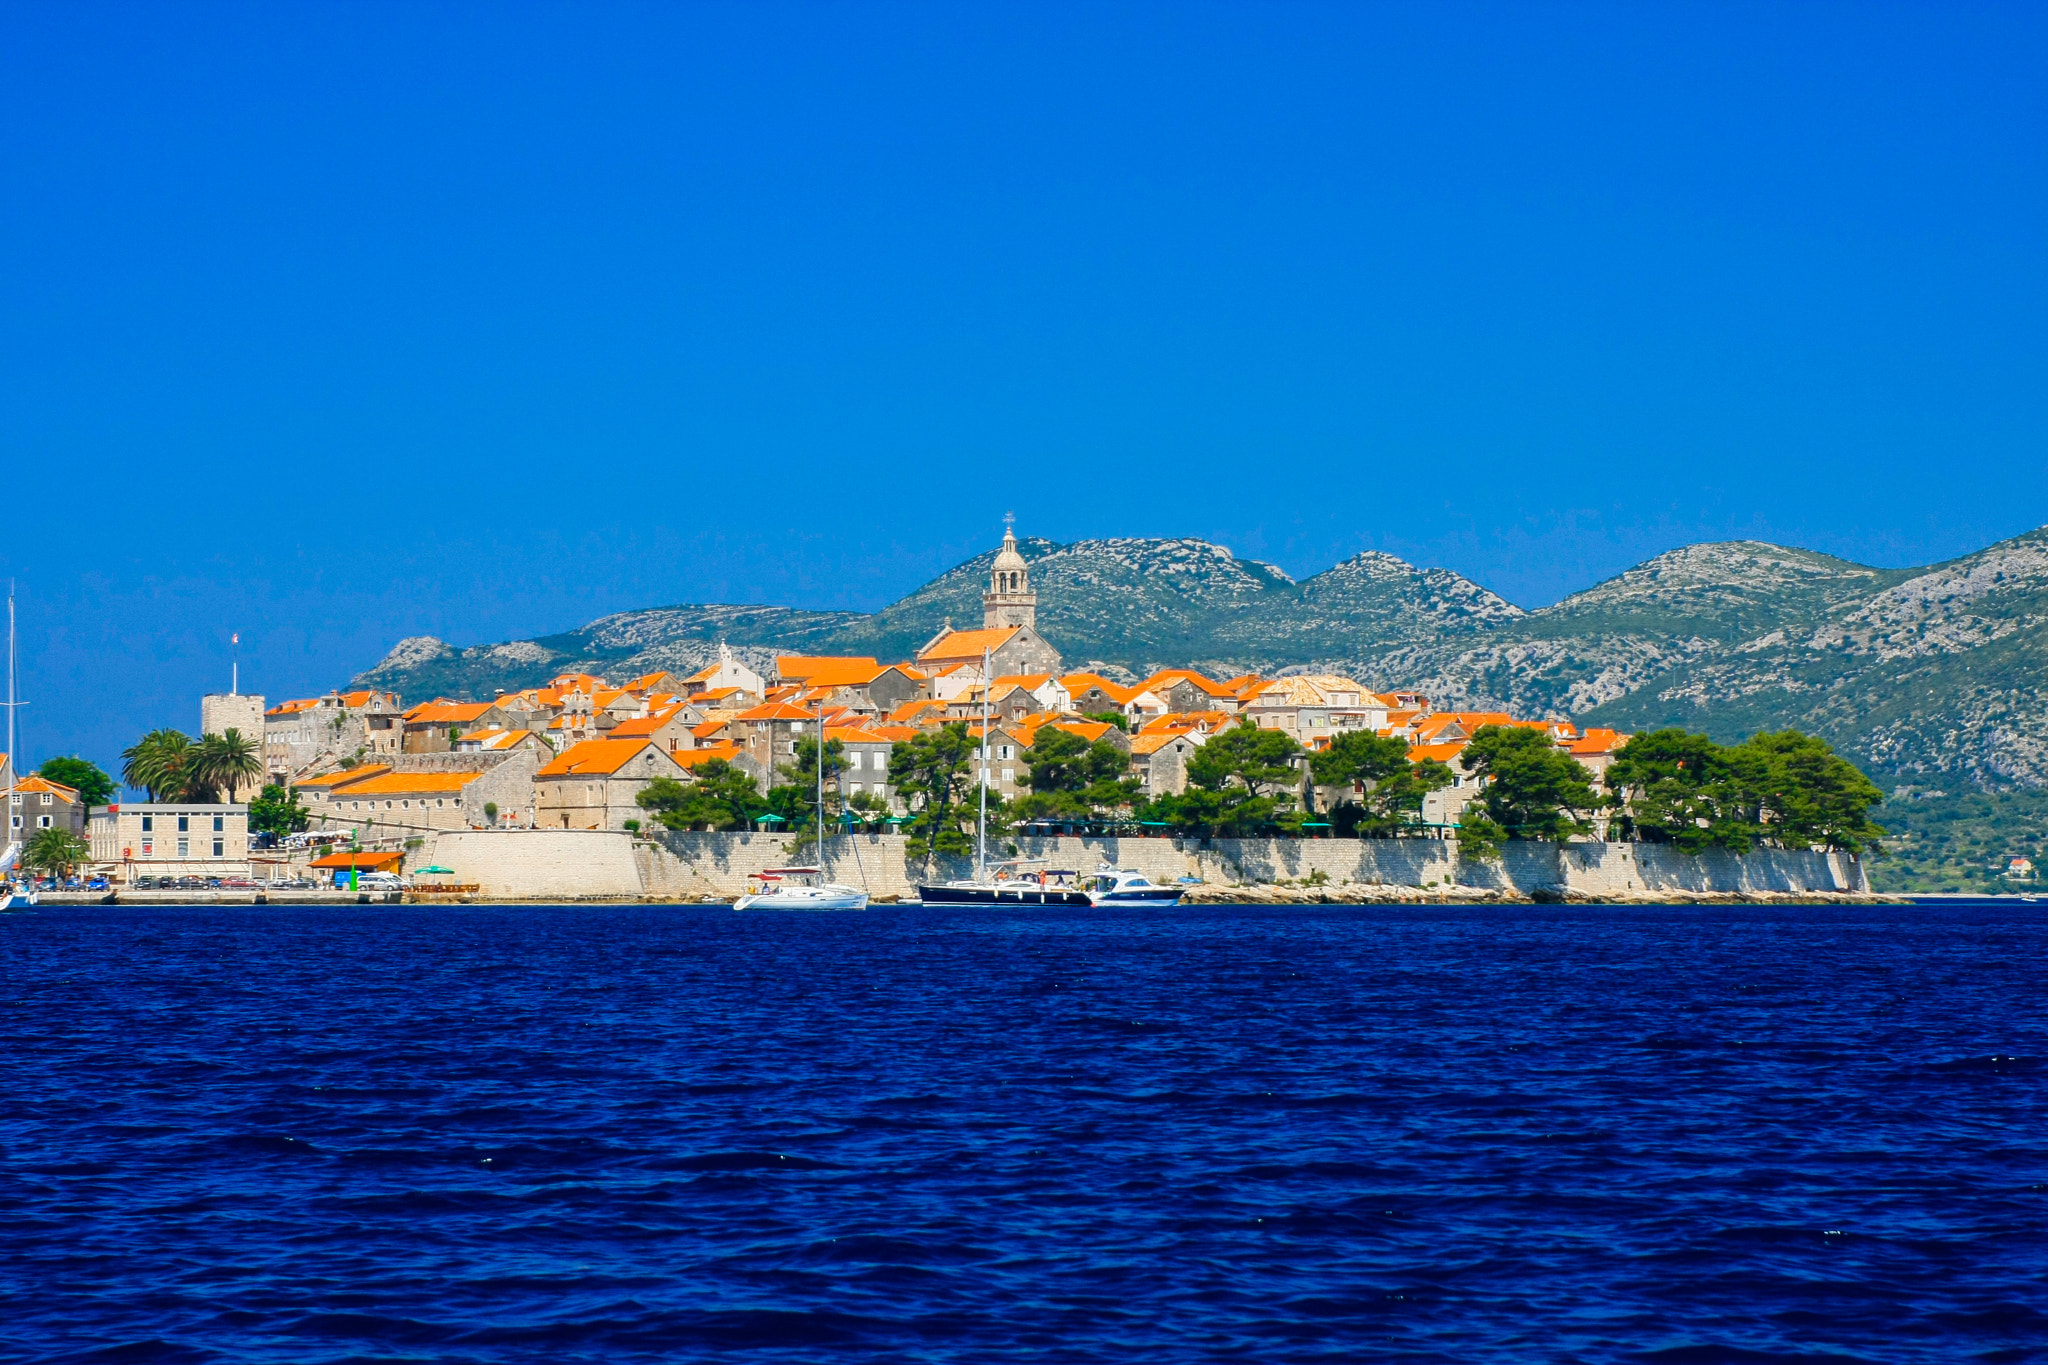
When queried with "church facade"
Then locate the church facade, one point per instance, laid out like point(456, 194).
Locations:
point(1009, 626)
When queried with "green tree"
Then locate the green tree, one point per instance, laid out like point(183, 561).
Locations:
point(94, 787)
point(276, 811)
point(1806, 794)
point(1393, 786)
point(156, 763)
point(1671, 787)
point(932, 771)
point(718, 796)
point(1242, 781)
point(221, 763)
point(55, 851)
point(797, 800)
point(1072, 778)
point(1116, 718)
point(1532, 789)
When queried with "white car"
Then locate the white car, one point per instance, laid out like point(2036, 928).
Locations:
point(381, 881)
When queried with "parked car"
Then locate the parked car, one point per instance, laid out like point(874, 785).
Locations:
point(382, 881)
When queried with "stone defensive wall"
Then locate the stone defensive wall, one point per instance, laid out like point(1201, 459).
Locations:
point(566, 864)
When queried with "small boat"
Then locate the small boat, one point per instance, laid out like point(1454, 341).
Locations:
point(1133, 890)
point(799, 888)
point(1010, 884)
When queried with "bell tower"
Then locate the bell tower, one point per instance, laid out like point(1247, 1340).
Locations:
point(1009, 600)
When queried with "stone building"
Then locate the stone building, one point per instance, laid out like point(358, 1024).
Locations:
point(41, 804)
point(433, 727)
point(415, 792)
point(595, 784)
point(1160, 760)
point(309, 733)
point(168, 839)
point(1008, 637)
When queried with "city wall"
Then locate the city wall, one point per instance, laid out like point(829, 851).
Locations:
point(547, 864)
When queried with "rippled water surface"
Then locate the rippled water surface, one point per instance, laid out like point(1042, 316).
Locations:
point(635, 1133)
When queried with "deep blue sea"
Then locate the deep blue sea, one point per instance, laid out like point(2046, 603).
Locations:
point(625, 1133)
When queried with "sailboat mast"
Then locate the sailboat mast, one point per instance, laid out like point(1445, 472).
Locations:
point(981, 823)
point(13, 758)
point(821, 786)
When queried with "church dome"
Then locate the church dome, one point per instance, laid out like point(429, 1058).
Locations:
point(1007, 559)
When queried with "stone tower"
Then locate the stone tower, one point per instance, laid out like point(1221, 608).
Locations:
point(1009, 600)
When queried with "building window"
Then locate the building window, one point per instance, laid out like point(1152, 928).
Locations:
point(220, 823)
point(1009, 774)
point(220, 848)
point(184, 823)
point(184, 848)
point(46, 798)
point(42, 822)
point(853, 790)
point(148, 823)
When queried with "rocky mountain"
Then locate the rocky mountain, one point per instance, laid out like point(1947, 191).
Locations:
point(1920, 674)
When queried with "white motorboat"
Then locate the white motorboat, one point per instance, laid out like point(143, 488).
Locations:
point(1132, 890)
point(798, 888)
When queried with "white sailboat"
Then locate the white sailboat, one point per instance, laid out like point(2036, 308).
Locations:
point(804, 888)
point(15, 892)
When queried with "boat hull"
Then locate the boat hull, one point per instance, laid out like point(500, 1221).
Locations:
point(801, 898)
point(1000, 895)
point(1152, 898)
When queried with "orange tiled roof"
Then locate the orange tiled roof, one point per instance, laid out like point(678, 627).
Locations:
point(914, 710)
point(293, 707)
point(442, 711)
point(1167, 677)
point(1090, 730)
point(1077, 683)
point(409, 784)
point(372, 862)
point(644, 725)
point(494, 739)
point(1152, 743)
point(826, 670)
point(1442, 753)
point(966, 644)
point(595, 757)
point(707, 729)
point(646, 682)
point(690, 758)
point(334, 780)
point(33, 783)
point(776, 710)
point(1596, 740)
point(1181, 721)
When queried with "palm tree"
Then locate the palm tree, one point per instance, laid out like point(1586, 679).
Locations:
point(55, 851)
point(222, 763)
point(156, 763)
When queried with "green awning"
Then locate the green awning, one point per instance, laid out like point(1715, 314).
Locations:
point(441, 871)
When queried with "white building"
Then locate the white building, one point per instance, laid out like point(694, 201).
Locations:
point(166, 839)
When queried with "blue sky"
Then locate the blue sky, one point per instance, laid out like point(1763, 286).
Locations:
point(335, 324)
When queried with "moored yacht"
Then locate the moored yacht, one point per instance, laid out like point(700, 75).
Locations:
point(798, 888)
point(1133, 890)
point(1008, 883)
